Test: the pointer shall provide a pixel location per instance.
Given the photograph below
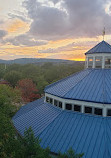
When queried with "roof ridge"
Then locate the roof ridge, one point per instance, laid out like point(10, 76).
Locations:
point(94, 47)
point(78, 83)
point(103, 93)
point(108, 44)
point(100, 44)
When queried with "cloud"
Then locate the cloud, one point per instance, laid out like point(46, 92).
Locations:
point(17, 26)
point(25, 40)
point(68, 47)
point(21, 17)
point(67, 19)
point(1, 22)
point(2, 33)
point(48, 22)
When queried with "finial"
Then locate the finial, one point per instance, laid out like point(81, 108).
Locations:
point(103, 33)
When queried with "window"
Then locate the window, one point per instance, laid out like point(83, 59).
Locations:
point(90, 62)
point(98, 111)
point(55, 102)
point(60, 104)
point(91, 59)
point(109, 112)
point(47, 99)
point(88, 110)
point(51, 100)
point(98, 62)
point(77, 108)
point(108, 62)
point(69, 106)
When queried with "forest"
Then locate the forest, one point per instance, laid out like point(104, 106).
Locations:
point(20, 84)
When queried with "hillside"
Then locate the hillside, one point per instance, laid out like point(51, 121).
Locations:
point(37, 61)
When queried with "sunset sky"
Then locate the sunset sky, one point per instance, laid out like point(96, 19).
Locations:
point(59, 29)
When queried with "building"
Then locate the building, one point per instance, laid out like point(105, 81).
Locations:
point(75, 111)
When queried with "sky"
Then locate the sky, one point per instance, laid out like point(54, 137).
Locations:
point(58, 29)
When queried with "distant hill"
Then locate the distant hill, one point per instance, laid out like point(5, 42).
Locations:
point(37, 61)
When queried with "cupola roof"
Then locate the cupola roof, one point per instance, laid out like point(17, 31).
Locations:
point(102, 47)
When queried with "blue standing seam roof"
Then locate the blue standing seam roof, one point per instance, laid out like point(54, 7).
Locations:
point(90, 85)
point(62, 129)
point(26, 118)
point(102, 47)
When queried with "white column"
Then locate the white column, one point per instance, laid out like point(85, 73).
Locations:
point(72, 107)
point(103, 62)
point(63, 105)
point(82, 108)
point(53, 101)
point(45, 99)
point(93, 110)
point(104, 111)
point(93, 61)
point(86, 62)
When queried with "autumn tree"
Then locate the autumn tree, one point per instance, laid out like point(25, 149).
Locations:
point(28, 90)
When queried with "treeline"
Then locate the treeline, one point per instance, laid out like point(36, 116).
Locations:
point(40, 75)
point(35, 76)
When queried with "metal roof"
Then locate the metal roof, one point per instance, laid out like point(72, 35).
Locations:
point(102, 47)
point(91, 85)
point(62, 129)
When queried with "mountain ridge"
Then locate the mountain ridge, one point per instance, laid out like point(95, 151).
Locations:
point(35, 61)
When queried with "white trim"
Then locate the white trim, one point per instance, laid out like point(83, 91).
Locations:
point(82, 103)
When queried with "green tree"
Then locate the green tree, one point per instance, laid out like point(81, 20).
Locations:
point(12, 95)
point(13, 77)
point(70, 154)
point(32, 146)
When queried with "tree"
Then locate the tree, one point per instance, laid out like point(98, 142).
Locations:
point(41, 84)
point(12, 146)
point(70, 154)
point(32, 146)
point(28, 90)
point(8, 98)
point(13, 77)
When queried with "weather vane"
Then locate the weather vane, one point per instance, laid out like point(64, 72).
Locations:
point(103, 33)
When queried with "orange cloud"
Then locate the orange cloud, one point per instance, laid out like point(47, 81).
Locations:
point(18, 26)
point(81, 46)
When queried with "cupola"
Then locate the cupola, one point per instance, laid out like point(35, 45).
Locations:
point(99, 56)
